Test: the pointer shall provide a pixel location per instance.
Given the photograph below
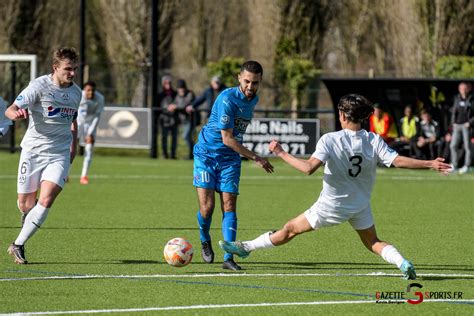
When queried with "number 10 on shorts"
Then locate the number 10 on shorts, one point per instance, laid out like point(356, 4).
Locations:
point(205, 177)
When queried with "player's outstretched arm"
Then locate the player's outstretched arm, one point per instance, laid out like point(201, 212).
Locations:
point(16, 113)
point(229, 140)
point(308, 166)
point(437, 164)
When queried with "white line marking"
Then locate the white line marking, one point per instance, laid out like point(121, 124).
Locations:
point(229, 275)
point(166, 308)
point(270, 178)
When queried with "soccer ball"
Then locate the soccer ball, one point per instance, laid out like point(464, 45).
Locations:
point(178, 252)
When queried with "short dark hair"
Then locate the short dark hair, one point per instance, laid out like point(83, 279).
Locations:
point(64, 53)
point(89, 83)
point(252, 66)
point(356, 107)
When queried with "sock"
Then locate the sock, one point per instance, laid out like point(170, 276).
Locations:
point(87, 159)
point(261, 242)
point(229, 230)
point(391, 255)
point(33, 221)
point(204, 227)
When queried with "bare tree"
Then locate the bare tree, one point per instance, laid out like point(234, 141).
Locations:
point(126, 32)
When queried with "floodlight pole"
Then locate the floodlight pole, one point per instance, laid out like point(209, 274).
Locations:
point(82, 41)
point(154, 78)
point(12, 99)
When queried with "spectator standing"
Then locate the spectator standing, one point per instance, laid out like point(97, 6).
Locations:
point(185, 97)
point(209, 96)
point(462, 119)
point(169, 119)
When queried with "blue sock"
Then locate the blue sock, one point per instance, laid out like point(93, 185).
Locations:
point(204, 227)
point(229, 230)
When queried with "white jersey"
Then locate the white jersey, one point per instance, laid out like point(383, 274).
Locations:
point(51, 111)
point(90, 110)
point(4, 121)
point(350, 159)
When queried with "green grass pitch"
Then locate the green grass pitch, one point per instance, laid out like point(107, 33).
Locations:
point(115, 229)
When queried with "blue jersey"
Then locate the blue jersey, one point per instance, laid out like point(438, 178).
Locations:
point(231, 109)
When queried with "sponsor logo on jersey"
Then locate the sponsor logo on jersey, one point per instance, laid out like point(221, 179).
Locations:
point(240, 124)
point(53, 111)
point(19, 98)
point(66, 113)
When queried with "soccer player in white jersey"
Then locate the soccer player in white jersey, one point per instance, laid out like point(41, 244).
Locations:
point(350, 158)
point(92, 105)
point(49, 145)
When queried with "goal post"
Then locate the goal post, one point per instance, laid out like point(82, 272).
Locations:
point(9, 140)
point(22, 58)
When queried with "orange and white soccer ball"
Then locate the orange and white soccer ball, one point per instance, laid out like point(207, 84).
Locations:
point(178, 252)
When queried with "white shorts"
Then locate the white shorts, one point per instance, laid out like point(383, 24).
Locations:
point(318, 218)
point(82, 130)
point(33, 169)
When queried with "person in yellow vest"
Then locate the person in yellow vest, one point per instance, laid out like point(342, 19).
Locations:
point(409, 130)
point(382, 123)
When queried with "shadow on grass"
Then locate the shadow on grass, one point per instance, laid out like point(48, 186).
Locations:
point(443, 278)
point(369, 266)
point(282, 266)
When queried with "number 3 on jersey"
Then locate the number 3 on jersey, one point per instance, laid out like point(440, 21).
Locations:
point(356, 160)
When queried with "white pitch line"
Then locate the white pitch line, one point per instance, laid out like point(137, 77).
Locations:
point(167, 308)
point(266, 177)
point(229, 275)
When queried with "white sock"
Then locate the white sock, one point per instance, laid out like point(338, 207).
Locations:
point(87, 159)
point(262, 241)
point(391, 255)
point(33, 221)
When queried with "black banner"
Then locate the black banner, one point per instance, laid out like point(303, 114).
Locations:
point(297, 136)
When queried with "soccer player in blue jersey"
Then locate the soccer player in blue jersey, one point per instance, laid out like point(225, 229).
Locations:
point(217, 158)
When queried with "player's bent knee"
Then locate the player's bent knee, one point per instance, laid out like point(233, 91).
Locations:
point(27, 205)
point(46, 201)
point(206, 211)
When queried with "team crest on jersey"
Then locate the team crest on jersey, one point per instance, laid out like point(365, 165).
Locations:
point(225, 119)
point(65, 96)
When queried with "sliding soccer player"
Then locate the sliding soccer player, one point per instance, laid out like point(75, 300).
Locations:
point(350, 157)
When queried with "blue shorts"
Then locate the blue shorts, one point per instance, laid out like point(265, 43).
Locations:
point(218, 173)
